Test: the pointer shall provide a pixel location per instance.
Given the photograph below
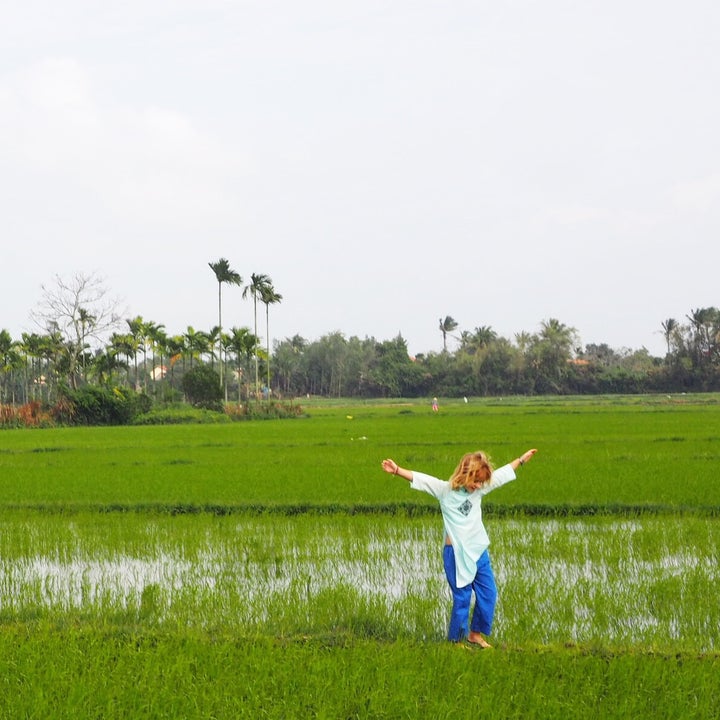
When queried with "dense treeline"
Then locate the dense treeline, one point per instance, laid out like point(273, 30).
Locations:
point(46, 368)
point(546, 362)
point(86, 344)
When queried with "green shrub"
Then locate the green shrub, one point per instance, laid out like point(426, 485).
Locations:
point(93, 405)
point(203, 388)
point(181, 416)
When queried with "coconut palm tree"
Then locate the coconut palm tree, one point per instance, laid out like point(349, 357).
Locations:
point(223, 274)
point(447, 326)
point(269, 297)
point(553, 349)
point(705, 323)
point(559, 336)
point(669, 326)
point(480, 337)
point(484, 335)
point(258, 284)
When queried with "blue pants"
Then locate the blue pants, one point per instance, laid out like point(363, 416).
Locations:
point(485, 597)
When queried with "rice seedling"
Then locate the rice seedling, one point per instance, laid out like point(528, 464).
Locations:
point(592, 456)
point(618, 583)
point(81, 673)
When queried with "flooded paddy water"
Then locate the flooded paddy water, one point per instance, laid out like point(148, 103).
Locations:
point(649, 580)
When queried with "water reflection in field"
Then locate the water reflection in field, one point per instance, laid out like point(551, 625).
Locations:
point(650, 580)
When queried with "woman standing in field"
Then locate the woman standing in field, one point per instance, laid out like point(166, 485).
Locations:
point(465, 555)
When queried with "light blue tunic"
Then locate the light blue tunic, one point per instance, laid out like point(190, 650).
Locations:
point(462, 517)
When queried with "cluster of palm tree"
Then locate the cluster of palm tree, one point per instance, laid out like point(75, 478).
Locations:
point(698, 341)
point(259, 288)
point(141, 354)
point(151, 355)
point(34, 367)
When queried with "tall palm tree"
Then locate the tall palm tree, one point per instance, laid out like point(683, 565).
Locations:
point(523, 340)
point(484, 335)
point(87, 322)
point(558, 335)
point(705, 323)
point(45, 349)
point(243, 343)
point(669, 326)
point(289, 356)
point(224, 340)
point(53, 347)
point(269, 297)
point(553, 350)
point(258, 284)
point(125, 344)
point(447, 326)
point(196, 343)
point(105, 364)
point(481, 337)
point(223, 274)
point(32, 347)
point(214, 337)
point(158, 343)
point(175, 347)
point(9, 358)
point(137, 327)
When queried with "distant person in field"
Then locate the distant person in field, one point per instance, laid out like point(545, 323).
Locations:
point(435, 406)
point(465, 555)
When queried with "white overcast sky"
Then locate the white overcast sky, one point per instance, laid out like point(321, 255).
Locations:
point(385, 162)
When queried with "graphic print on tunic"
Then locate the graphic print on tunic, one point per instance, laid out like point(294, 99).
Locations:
point(465, 508)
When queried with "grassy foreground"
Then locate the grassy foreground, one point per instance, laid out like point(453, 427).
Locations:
point(88, 673)
point(605, 550)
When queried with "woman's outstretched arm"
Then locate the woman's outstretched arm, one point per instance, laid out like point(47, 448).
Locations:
point(390, 466)
point(525, 457)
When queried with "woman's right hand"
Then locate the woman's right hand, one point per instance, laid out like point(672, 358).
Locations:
point(390, 466)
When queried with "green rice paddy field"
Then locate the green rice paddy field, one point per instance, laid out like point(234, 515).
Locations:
point(270, 569)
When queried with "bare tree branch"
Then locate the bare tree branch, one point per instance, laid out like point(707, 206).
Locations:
point(79, 309)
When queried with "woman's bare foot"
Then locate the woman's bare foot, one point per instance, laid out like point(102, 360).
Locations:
point(478, 639)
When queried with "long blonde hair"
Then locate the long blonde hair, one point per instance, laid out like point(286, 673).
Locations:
point(473, 467)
